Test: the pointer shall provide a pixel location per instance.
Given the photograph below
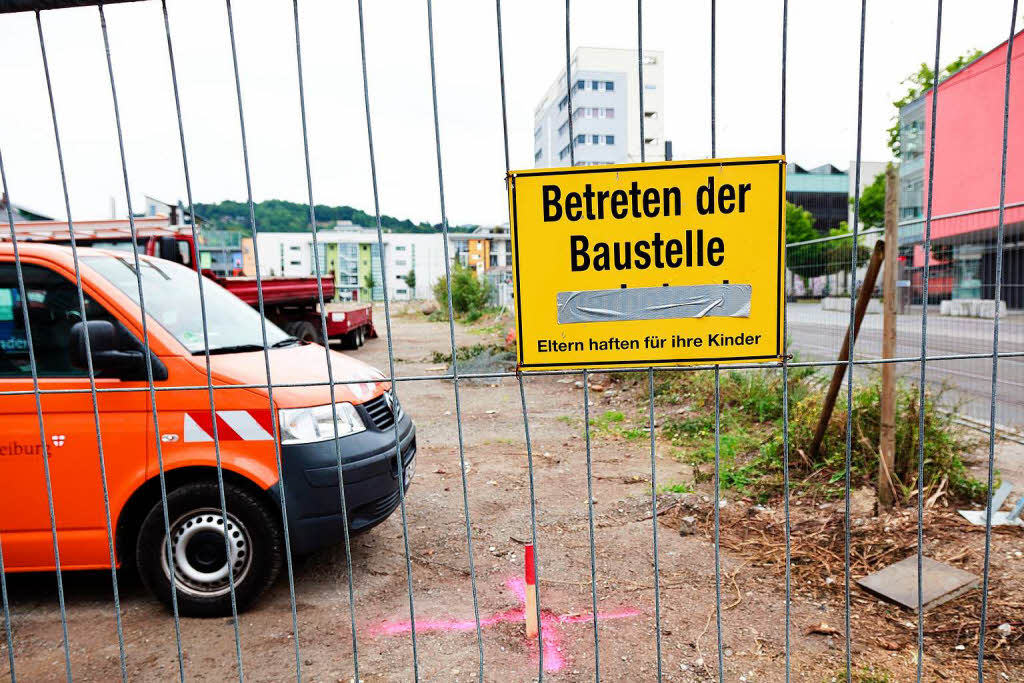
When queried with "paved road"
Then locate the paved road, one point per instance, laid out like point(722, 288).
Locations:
point(816, 335)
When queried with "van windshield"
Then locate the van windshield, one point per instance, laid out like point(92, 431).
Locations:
point(172, 299)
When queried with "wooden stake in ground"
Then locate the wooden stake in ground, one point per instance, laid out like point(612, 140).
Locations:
point(870, 277)
point(531, 595)
point(887, 431)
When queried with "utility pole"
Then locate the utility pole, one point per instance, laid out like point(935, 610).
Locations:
point(887, 431)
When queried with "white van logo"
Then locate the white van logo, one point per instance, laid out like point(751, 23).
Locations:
point(58, 440)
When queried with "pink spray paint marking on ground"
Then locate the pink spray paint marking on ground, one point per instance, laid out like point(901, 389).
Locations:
point(554, 660)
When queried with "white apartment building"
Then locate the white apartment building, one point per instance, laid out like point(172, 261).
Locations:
point(352, 254)
point(606, 110)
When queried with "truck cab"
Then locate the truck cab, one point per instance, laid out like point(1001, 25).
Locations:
point(280, 438)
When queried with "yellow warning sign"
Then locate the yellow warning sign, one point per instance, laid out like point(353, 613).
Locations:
point(649, 264)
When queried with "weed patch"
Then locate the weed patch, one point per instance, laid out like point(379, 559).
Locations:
point(750, 434)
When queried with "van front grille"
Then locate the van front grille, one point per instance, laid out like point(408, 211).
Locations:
point(380, 412)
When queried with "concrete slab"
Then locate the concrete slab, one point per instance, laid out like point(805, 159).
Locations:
point(898, 583)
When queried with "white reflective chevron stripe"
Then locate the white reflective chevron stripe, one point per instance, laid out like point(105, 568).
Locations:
point(245, 425)
point(193, 432)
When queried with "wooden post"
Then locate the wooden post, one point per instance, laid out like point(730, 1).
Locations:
point(887, 431)
point(870, 277)
point(530, 608)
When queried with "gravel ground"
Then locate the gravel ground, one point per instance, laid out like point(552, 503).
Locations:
point(499, 507)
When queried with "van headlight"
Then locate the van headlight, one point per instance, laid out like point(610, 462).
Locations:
point(307, 425)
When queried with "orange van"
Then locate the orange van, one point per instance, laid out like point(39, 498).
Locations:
point(365, 416)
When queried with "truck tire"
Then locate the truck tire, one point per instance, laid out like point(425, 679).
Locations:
point(361, 338)
point(304, 330)
point(203, 588)
point(350, 340)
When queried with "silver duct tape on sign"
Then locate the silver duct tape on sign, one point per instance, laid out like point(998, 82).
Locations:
point(654, 303)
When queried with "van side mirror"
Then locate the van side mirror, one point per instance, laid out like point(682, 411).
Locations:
point(114, 354)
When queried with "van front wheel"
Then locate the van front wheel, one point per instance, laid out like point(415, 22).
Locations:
point(204, 565)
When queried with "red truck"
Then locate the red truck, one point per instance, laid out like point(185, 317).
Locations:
point(292, 303)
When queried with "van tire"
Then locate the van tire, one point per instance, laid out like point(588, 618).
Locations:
point(253, 521)
point(304, 330)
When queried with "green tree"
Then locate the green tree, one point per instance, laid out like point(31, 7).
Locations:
point(837, 253)
point(277, 215)
point(799, 224)
point(410, 279)
point(469, 294)
point(918, 83)
point(872, 203)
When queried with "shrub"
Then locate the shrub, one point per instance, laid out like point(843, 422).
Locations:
point(943, 441)
point(469, 295)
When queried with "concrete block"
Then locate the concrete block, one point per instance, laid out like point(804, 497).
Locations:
point(842, 303)
point(972, 308)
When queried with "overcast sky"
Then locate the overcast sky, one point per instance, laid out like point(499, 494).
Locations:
point(822, 99)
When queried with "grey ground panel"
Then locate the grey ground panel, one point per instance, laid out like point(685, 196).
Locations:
point(999, 517)
point(654, 303)
point(898, 582)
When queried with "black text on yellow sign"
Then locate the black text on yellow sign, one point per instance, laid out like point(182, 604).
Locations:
point(654, 264)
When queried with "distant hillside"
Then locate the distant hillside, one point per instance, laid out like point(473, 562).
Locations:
point(275, 215)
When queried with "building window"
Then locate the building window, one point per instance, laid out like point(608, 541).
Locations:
point(580, 85)
point(601, 112)
point(650, 114)
point(401, 263)
point(564, 152)
point(594, 85)
point(650, 86)
point(609, 139)
point(400, 247)
point(536, 131)
point(609, 113)
point(561, 103)
point(537, 154)
point(609, 85)
point(595, 139)
point(581, 139)
point(561, 128)
point(648, 59)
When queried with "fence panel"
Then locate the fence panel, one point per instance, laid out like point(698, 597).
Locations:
point(974, 364)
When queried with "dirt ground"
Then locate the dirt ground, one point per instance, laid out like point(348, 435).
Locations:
point(753, 595)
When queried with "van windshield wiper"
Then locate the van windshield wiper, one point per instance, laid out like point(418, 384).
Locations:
point(238, 348)
point(287, 341)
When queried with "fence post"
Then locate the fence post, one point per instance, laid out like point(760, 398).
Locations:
point(887, 432)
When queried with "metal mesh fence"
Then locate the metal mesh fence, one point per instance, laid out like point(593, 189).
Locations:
point(66, 333)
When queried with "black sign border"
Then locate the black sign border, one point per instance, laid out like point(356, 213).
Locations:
point(780, 265)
